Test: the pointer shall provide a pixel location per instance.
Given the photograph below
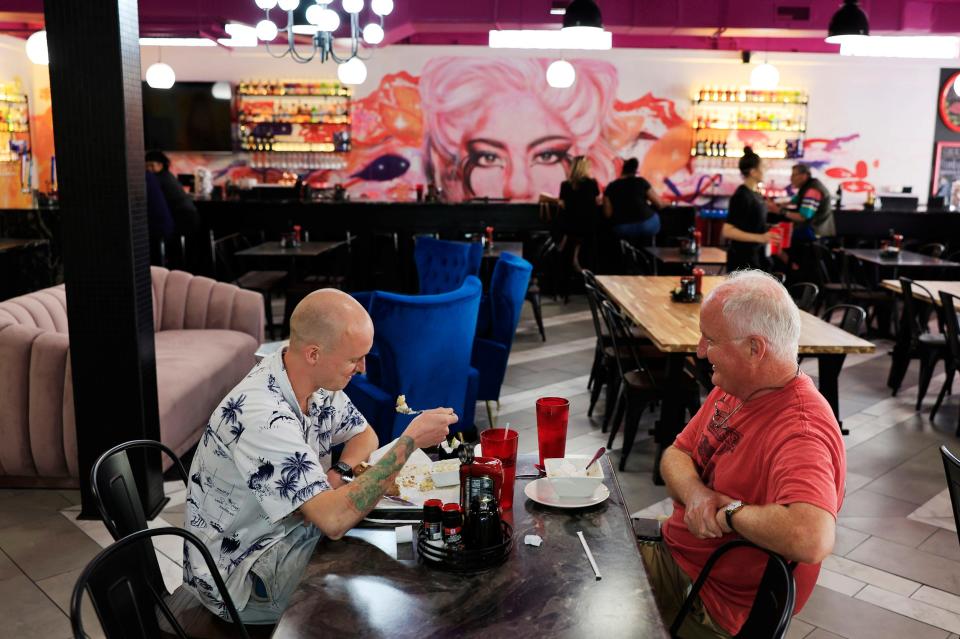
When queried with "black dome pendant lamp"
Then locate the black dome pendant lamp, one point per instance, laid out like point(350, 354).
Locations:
point(849, 20)
point(582, 13)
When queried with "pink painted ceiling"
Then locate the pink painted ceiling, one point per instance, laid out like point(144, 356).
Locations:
point(774, 25)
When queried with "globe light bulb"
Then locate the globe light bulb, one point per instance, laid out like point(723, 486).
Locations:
point(289, 5)
point(352, 6)
point(37, 48)
point(160, 76)
point(328, 20)
point(266, 30)
point(373, 33)
point(382, 7)
point(561, 74)
point(353, 71)
point(764, 76)
point(266, 4)
point(221, 90)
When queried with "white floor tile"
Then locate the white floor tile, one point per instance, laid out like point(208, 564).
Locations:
point(938, 598)
point(912, 608)
point(839, 583)
point(936, 512)
point(870, 575)
point(554, 350)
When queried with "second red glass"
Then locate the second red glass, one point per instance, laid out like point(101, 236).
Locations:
point(552, 415)
point(502, 444)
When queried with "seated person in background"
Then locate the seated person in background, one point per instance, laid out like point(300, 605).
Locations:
point(631, 204)
point(262, 488)
point(762, 459)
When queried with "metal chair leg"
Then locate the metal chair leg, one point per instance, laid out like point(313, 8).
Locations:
point(491, 419)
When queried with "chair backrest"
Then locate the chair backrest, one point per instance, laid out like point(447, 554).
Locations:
point(805, 295)
point(913, 318)
point(951, 468)
point(594, 298)
point(933, 249)
point(424, 344)
point(772, 607)
point(223, 251)
point(126, 601)
point(853, 319)
point(508, 289)
point(628, 357)
point(635, 261)
point(949, 325)
point(442, 266)
point(827, 267)
point(115, 489)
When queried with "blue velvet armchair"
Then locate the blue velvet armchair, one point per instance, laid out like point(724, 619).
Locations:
point(499, 316)
point(423, 345)
point(442, 266)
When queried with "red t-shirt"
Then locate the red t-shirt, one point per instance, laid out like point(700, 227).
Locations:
point(780, 448)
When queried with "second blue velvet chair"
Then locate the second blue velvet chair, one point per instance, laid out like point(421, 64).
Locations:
point(423, 345)
point(499, 316)
point(442, 266)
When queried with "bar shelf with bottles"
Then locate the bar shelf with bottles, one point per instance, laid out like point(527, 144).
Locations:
point(719, 111)
point(308, 118)
point(14, 122)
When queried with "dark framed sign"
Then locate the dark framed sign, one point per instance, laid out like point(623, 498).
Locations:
point(949, 105)
point(946, 173)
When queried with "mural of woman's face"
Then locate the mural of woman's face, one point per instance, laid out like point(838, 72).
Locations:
point(518, 150)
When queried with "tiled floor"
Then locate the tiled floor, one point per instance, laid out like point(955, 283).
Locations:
point(894, 573)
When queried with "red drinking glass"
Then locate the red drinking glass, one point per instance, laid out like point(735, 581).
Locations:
point(501, 444)
point(552, 415)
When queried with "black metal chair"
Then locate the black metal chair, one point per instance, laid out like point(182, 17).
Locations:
point(951, 355)
point(933, 249)
point(635, 261)
point(805, 295)
point(853, 319)
point(115, 489)
point(951, 468)
point(127, 601)
point(545, 255)
point(915, 341)
point(772, 609)
point(226, 268)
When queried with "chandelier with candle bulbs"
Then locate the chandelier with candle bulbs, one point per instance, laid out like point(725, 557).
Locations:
point(322, 21)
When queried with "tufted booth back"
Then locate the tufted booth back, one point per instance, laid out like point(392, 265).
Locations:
point(442, 266)
point(37, 424)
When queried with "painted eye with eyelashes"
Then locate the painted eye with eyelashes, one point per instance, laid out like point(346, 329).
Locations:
point(550, 156)
point(486, 160)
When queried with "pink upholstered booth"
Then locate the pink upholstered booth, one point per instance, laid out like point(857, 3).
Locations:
point(206, 336)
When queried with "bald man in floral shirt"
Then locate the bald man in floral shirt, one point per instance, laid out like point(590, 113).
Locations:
point(262, 490)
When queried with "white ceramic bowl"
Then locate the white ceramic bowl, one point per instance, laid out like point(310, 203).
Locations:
point(573, 486)
point(442, 478)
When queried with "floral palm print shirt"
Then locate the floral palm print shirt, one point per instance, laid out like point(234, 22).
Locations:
point(260, 458)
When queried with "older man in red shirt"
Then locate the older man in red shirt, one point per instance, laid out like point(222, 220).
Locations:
point(763, 459)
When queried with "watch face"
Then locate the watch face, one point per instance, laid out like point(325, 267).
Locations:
point(734, 506)
point(343, 468)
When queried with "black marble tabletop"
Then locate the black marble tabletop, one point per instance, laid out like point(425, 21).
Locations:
point(356, 587)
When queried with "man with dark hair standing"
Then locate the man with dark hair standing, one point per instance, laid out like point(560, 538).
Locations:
point(186, 220)
point(812, 214)
point(631, 204)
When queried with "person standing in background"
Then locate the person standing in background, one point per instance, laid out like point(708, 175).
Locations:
point(159, 221)
point(746, 225)
point(631, 204)
point(186, 220)
point(579, 201)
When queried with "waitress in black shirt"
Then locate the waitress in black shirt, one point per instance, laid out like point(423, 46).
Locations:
point(746, 225)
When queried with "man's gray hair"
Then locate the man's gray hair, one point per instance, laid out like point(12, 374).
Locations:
point(756, 303)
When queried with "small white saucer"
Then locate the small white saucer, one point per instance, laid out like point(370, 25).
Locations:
point(542, 492)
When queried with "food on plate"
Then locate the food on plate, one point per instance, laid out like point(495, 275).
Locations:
point(402, 407)
point(445, 465)
point(565, 468)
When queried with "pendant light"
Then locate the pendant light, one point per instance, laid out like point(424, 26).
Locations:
point(561, 74)
point(582, 13)
point(848, 22)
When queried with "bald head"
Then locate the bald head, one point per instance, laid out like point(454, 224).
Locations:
point(325, 317)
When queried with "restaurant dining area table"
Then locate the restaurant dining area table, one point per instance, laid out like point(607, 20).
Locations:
point(882, 262)
point(674, 328)
point(934, 286)
point(671, 256)
point(368, 585)
point(289, 257)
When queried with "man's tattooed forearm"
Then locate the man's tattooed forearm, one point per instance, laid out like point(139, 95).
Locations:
point(368, 488)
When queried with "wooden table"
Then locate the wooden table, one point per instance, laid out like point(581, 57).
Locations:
point(674, 328)
point(270, 251)
point(906, 260)
point(711, 255)
point(935, 286)
point(356, 587)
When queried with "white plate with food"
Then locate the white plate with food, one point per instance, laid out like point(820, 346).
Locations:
point(421, 479)
point(542, 492)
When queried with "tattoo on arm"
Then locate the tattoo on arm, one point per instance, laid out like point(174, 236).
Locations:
point(368, 488)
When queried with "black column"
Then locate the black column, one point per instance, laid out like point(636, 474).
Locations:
point(98, 128)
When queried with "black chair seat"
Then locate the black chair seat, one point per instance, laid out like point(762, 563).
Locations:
point(261, 281)
point(200, 623)
point(639, 381)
